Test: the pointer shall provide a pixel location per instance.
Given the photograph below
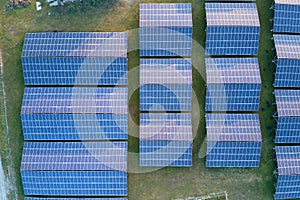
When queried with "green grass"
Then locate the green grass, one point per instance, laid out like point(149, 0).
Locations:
point(167, 183)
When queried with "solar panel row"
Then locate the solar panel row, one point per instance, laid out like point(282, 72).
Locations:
point(165, 84)
point(75, 113)
point(35, 198)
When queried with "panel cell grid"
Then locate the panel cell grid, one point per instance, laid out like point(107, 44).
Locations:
point(74, 126)
point(233, 154)
point(165, 153)
point(288, 129)
point(74, 183)
point(165, 71)
point(232, 14)
point(166, 15)
point(233, 127)
point(171, 97)
point(35, 198)
point(75, 44)
point(232, 97)
point(287, 102)
point(287, 46)
point(162, 126)
point(288, 160)
point(232, 70)
point(287, 73)
point(287, 16)
point(74, 100)
point(74, 71)
point(74, 156)
point(288, 187)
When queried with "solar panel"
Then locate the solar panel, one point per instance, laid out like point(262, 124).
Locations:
point(288, 187)
point(165, 153)
point(71, 156)
point(287, 102)
point(165, 139)
point(232, 70)
point(74, 126)
point(166, 29)
point(288, 161)
point(75, 44)
point(74, 183)
point(34, 198)
point(233, 127)
point(287, 73)
point(166, 15)
point(74, 100)
point(166, 126)
point(74, 71)
point(232, 97)
point(233, 154)
point(287, 15)
point(166, 71)
point(232, 29)
point(162, 97)
point(288, 130)
point(287, 46)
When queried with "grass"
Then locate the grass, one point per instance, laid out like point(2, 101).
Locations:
point(167, 183)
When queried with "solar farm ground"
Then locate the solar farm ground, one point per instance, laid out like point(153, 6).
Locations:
point(167, 183)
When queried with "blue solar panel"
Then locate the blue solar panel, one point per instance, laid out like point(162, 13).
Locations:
point(288, 187)
point(166, 71)
point(74, 100)
point(288, 129)
point(288, 160)
point(232, 29)
point(287, 46)
point(233, 127)
point(35, 198)
point(171, 97)
point(172, 41)
point(232, 97)
point(233, 154)
point(74, 183)
point(74, 126)
point(287, 73)
point(232, 40)
point(70, 156)
point(287, 102)
point(74, 71)
point(75, 44)
point(166, 153)
point(232, 70)
point(287, 18)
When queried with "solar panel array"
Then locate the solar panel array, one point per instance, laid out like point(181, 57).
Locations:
point(166, 29)
point(75, 58)
point(288, 172)
point(232, 29)
point(36, 198)
point(74, 183)
point(60, 116)
point(287, 16)
point(74, 126)
point(233, 84)
point(286, 20)
point(165, 139)
point(166, 84)
point(233, 140)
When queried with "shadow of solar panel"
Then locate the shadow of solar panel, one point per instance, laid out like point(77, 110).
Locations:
point(74, 183)
point(74, 126)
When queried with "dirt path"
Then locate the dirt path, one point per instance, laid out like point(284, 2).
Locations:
point(3, 184)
